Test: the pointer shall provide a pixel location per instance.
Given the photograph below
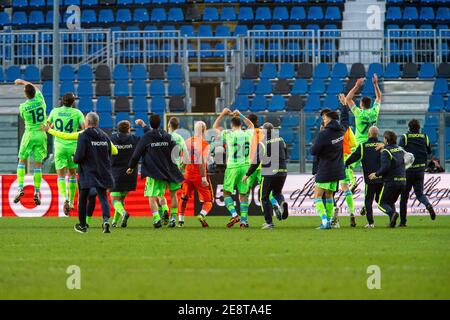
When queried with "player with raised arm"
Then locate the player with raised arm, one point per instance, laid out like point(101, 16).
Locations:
point(196, 174)
point(66, 118)
point(366, 116)
point(34, 140)
point(238, 161)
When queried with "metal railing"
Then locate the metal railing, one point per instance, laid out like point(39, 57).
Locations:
point(411, 45)
point(444, 45)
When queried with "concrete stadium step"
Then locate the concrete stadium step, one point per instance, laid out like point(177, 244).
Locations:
point(12, 97)
point(8, 167)
point(408, 87)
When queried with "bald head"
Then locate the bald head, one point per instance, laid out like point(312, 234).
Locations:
point(91, 120)
point(374, 132)
point(199, 128)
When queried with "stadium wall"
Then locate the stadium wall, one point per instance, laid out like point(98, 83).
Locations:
point(298, 192)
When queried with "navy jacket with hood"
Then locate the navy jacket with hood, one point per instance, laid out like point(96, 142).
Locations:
point(156, 149)
point(93, 156)
point(329, 150)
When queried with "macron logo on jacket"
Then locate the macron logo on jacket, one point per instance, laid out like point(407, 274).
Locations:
point(99, 143)
point(159, 144)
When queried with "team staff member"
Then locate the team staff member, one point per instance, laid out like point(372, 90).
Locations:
point(93, 156)
point(418, 144)
point(158, 167)
point(329, 151)
point(392, 170)
point(271, 155)
point(369, 155)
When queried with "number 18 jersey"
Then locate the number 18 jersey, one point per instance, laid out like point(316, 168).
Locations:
point(33, 112)
point(66, 119)
point(238, 147)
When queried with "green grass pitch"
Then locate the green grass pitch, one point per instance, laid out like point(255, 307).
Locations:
point(294, 261)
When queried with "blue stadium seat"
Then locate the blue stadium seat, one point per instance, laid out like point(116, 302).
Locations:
point(121, 88)
point(393, 14)
point(85, 73)
point(322, 71)
point(263, 14)
point(187, 30)
point(176, 88)
point(123, 16)
point(2, 75)
point(392, 71)
point(88, 16)
point(13, 73)
point(315, 13)
point(158, 104)
point(228, 14)
point(210, 14)
point(37, 3)
point(317, 86)
point(240, 30)
point(36, 18)
point(67, 73)
point(158, 15)
point(66, 86)
point(19, 18)
point(85, 104)
point(277, 103)
point(175, 15)
point(106, 121)
point(440, 86)
point(331, 102)
point(4, 19)
point(280, 14)
point(426, 14)
point(335, 86)
point(333, 14)
point(375, 68)
point(139, 88)
point(287, 134)
point(287, 71)
point(298, 14)
point(159, 2)
point(138, 72)
point(85, 89)
point(436, 103)
point(246, 87)
point(300, 87)
point(140, 104)
point(47, 88)
point(269, 71)
point(105, 16)
point(427, 71)
point(242, 103)
point(104, 104)
point(90, 3)
point(120, 72)
point(368, 89)
point(245, 14)
point(68, 3)
point(174, 72)
point(223, 31)
point(120, 116)
point(339, 71)
point(264, 87)
point(259, 103)
point(19, 3)
point(124, 2)
point(443, 14)
point(410, 14)
point(141, 15)
point(157, 88)
point(313, 103)
point(290, 121)
point(32, 74)
point(205, 30)
point(142, 2)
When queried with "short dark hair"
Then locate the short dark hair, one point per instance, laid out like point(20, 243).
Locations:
point(332, 115)
point(155, 121)
point(174, 123)
point(253, 118)
point(30, 91)
point(414, 126)
point(390, 136)
point(236, 121)
point(68, 99)
point(124, 126)
point(366, 102)
point(324, 111)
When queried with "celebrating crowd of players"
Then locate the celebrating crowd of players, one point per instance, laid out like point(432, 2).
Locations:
point(253, 156)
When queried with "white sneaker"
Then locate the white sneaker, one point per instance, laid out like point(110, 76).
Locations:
point(369, 226)
point(267, 226)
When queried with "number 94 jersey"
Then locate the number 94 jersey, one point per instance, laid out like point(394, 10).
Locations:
point(66, 119)
point(238, 147)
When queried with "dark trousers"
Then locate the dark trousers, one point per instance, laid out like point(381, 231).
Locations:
point(373, 192)
point(274, 185)
point(83, 199)
point(389, 196)
point(91, 202)
point(413, 180)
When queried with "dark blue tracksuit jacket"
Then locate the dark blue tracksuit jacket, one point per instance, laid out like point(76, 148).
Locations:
point(93, 156)
point(419, 145)
point(392, 167)
point(370, 159)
